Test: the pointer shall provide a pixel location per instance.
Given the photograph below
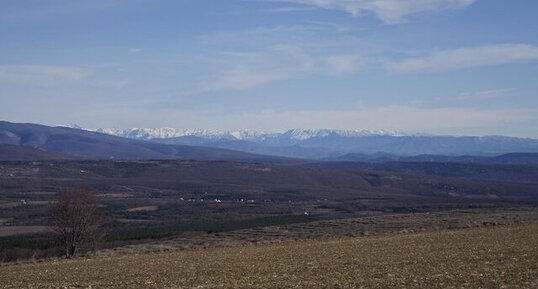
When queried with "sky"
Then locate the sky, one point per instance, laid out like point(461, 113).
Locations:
point(461, 67)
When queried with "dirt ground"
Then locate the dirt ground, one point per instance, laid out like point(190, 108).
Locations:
point(503, 256)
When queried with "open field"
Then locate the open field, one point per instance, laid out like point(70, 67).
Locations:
point(22, 230)
point(339, 228)
point(487, 257)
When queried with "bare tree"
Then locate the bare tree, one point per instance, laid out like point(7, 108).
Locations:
point(76, 220)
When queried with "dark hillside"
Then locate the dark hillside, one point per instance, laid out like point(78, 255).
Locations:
point(522, 173)
point(90, 145)
point(26, 153)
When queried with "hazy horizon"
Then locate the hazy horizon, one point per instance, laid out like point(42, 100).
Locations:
point(448, 67)
point(278, 131)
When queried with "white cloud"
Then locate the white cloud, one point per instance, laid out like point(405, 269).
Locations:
point(245, 77)
point(339, 64)
point(241, 71)
point(41, 74)
point(40, 11)
point(289, 9)
point(263, 55)
point(484, 94)
point(389, 11)
point(135, 50)
point(467, 57)
point(56, 78)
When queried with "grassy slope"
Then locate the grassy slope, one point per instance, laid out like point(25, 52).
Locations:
point(487, 257)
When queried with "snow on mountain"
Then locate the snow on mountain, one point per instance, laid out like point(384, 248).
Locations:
point(292, 134)
point(246, 134)
point(304, 134)
point(326, 143)
point(158, 133)
point(111, 131)
point(296, 134)
point(165, 133)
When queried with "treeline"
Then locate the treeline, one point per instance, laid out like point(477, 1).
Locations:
point(19, 248)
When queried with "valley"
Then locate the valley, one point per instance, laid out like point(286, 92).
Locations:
point(145, 201)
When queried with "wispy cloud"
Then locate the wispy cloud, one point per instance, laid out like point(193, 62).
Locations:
point(58, 77)
point(290, 9)
point(241, 71)
point(467, 57)
point(267, 54)
point(484, 94)
point(389, 11)
point(41, 11)
point(310, 32)
point(340, 64)
point(41, 74)
point(135, 50)
point(244, 70)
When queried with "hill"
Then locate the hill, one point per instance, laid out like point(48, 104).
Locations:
point(63, 142)
point(327, 145)
point(25, 153)
point(510, 158)
point(488, 169)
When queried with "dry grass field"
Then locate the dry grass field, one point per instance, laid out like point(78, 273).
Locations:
point(383, 224)
point(485, 257)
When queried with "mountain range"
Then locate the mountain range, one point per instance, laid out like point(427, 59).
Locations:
point(21, 141)
point(37, 142)
point(248, 135)
point(329, 144)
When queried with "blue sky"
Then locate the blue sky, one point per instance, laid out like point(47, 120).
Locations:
point(438, 66)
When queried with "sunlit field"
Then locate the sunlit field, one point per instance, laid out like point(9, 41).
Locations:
point(488, 257)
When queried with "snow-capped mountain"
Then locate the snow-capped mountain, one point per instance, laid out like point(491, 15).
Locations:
point(328, 143)
point(166, 133)
point(304, 134)
point(154, 133)
point(292, 134)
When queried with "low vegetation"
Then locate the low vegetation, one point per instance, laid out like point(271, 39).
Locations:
point(486, 257)
point(76, 221)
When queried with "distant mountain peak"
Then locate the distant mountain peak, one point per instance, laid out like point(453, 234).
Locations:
point(294, 134)
point(296, 143)
point(166, 133)
point(303, 134)
point(73, 126)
